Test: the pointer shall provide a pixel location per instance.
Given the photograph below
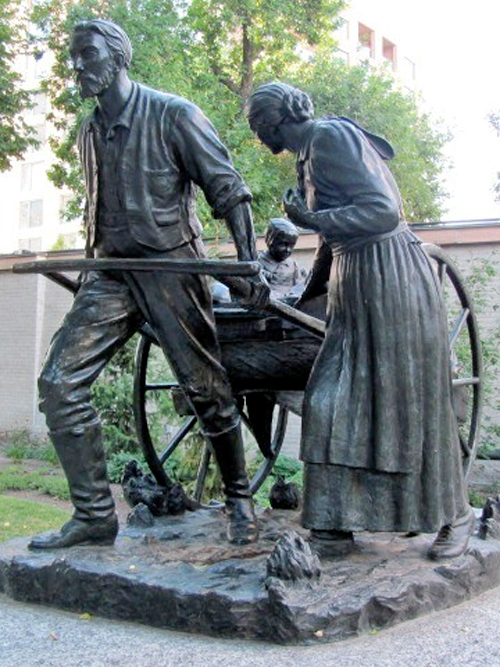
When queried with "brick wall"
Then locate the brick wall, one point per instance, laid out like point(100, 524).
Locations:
point(480, 266)
point(33, 307)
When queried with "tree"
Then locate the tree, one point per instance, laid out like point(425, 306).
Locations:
point(372, 98)
point(15, 134)
point(214, 52)
point(249, 40)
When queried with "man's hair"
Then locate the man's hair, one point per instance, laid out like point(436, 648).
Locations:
point(116, 38)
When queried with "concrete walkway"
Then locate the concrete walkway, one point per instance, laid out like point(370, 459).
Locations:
point(467, 635)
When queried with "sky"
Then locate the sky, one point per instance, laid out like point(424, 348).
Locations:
point(456, 47)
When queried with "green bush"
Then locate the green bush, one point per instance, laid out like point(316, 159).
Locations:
point(118, 460)
point(22, 444)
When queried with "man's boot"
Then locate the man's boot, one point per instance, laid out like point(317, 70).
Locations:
point(94, 520)
point(229, 453)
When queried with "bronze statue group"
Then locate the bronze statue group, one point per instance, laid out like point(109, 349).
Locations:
point(379, 436)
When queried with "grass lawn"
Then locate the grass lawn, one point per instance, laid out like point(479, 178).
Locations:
point(15, 477)
point(20, 518)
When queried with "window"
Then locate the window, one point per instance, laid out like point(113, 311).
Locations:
point(70, 240)
point(64, 201)
point(40, 65)
point(32, 175)
point(39, 104)
point(343, 30)
point(32, 244)
point(31, 214)
point(26, 177)
point(342, 55)
point(408, 71)
point(389, 52)
point(366, 41)
point(40, 136)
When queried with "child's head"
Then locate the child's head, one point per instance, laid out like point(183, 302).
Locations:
point(281, 237)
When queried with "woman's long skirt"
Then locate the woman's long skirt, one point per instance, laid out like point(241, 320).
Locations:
point(379, 435)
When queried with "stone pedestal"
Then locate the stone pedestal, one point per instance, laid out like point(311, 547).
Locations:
point(182, 574)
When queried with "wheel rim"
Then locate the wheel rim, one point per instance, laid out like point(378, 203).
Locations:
point(464, 324)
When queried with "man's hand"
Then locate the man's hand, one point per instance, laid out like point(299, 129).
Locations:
point(254, 291)
point(259, 292)
point(296, 209)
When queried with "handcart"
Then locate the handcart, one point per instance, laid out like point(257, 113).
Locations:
point(268, 355)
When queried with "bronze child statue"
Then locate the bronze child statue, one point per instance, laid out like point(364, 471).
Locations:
point(284, 276)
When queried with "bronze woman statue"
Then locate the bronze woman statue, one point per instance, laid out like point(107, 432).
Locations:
point(379, 436)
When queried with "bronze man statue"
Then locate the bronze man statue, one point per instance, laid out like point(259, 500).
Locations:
point(379, 435)
point(143, 154)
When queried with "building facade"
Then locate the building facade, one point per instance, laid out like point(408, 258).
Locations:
point(365, 35)
point(33, 207)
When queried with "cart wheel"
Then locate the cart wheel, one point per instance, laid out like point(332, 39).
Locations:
point(145, 391)
point(465, 352)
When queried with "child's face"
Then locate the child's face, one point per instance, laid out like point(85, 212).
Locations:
point(282, 246)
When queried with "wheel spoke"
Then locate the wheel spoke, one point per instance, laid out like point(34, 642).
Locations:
point(442, 272)
point(460, 382)
point(458, 326)
point(201, 475)
point(466, 450)
point(153, 386)
point(177, 439)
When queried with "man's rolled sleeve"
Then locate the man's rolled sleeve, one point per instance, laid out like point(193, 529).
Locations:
point(207, 161)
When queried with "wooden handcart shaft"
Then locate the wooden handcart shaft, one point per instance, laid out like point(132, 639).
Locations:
point(232, 274)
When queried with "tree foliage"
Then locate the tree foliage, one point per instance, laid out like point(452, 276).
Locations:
point(15, 134)
point(249, 40)
point(372, 98)
point(214, 52)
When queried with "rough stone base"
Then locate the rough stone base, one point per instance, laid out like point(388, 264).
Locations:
point(181, 574)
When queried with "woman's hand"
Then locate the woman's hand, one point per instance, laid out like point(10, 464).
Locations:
point(296, 209)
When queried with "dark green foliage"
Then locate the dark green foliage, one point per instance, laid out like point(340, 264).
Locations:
point(373, 99)
point(15, 134)
point(290, 468)
point(117, 461)
point(112, 396)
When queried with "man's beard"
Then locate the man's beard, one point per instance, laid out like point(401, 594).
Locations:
point(92, 85)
